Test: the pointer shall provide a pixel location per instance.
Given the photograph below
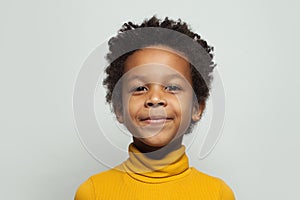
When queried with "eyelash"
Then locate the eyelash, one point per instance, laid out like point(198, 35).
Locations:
point(174, 88)
point(139, 89)
point(142, 89)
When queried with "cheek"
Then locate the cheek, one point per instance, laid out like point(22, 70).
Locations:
point(184, 104)
point(132, 105)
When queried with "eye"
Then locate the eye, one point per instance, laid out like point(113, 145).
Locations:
point(172, 88)
point(139, 89)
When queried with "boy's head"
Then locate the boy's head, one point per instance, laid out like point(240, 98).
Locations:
point(158, 89)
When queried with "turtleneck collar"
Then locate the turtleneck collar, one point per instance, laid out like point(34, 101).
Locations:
point(172, 166)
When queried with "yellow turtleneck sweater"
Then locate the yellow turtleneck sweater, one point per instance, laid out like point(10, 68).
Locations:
point(142, 178)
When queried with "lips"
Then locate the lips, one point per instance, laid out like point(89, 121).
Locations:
point(155, 119)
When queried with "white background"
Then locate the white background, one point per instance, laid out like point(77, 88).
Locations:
point(44, 43)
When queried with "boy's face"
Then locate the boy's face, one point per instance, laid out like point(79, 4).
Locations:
point(157, 96)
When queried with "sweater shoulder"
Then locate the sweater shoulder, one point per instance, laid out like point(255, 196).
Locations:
point(99, 184)
point(108, 176)
point(205, 177)
point(214, 184)
point(85, 191)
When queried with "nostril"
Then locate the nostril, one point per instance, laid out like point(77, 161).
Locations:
point(161, 103)
point(150, 104)
point(155, 102)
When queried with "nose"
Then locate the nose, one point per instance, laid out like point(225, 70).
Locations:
point(155, 97)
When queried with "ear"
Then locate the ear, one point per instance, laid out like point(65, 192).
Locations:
point(119, 114)
point(197, 111)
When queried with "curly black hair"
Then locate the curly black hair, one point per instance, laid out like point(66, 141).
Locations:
point(157, 32)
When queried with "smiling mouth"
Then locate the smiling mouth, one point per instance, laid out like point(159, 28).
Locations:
point(156, 120)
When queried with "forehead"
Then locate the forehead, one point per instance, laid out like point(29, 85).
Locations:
point(157, 62)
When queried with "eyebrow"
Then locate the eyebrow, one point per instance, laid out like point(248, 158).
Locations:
point(136, 77)
point(167, 77)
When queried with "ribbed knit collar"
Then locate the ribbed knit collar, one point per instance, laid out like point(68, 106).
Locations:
point(173, 166)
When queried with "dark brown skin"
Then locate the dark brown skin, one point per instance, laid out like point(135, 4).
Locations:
point(157, 153)
point(157, 99)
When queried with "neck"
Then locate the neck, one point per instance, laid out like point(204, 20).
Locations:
point(157, 153)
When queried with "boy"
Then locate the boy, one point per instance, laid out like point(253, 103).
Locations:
point(158, 82)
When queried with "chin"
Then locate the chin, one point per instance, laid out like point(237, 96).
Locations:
point(156, 142)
